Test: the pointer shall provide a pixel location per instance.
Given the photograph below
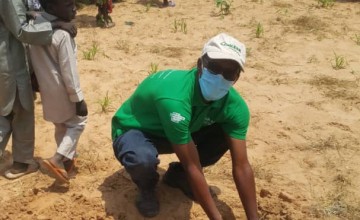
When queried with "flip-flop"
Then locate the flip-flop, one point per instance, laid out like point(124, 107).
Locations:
point(56, 172)
point(33, 167)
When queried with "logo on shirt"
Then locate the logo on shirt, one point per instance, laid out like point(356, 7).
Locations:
point(176, 117)
point(208, 121)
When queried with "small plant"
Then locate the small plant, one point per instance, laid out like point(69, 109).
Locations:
point(90, 53)
point(154, 67)
point(224, 6)
point(259, 30)
point(340, 62)
point(326, 3)
point(105, 103)
point(357, 39)
point(180, 25)
point(123, 45)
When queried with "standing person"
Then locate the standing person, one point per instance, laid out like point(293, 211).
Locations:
point(61, 95)
point(196, 114)
point(16, 100)
point(103, 18)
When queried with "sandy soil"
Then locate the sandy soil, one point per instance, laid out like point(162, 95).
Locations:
point(303, 140)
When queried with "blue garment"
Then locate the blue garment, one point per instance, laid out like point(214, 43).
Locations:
point(138, 152)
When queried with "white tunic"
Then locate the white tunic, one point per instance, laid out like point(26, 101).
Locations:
point(56, 70)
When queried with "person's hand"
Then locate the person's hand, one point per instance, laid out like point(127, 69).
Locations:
point(31, 14)
point(69, 27)
point(81, 108)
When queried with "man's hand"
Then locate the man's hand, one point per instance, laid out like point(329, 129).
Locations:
point(31, 15)
point(69, 27)
point(81, 108)
point(243, 177)
point(189, 158)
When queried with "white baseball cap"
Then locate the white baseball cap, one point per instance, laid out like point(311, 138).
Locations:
point(223, 46)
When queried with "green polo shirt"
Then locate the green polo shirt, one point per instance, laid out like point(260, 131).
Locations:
point(169, 104)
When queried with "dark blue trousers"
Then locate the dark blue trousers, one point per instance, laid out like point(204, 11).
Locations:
point(138, 152)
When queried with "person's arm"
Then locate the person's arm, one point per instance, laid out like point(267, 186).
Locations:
point(14, 17)
point(189, 158)
point(243, 177)
point(68, 70)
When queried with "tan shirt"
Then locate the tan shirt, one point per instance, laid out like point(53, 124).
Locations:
point(56, 70)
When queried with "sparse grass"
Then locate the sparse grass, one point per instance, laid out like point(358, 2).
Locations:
point(154, 67)
point(336, 201)
point(224, 6)
point(180, 25)
point(336, 88)
point(357, 39)
point(326, 3)
point(123, 45)
point(105, 103)
point(309, 23)
point(90, 53)
point(259, 30)
point(340, 62)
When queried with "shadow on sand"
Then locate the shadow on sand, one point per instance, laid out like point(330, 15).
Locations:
point(119, 194)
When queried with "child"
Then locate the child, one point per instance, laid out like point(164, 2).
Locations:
point(103, 18)
point(61, 95)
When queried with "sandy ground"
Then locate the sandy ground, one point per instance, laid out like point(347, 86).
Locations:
point(303, 141)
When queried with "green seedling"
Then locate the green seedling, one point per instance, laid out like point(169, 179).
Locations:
point(154, 67)
point(357, 39)
point(180, 25)
point(340, 62)
point(224, 6)
point(326, 3)
point(90, 53)
point(259, 30)
point(105, 103)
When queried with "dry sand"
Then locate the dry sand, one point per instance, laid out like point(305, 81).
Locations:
point(303, 141)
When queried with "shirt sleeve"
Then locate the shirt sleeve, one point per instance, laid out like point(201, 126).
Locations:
point(68, 67)
point(175, 119)
point(14, 17)
point(237, 123)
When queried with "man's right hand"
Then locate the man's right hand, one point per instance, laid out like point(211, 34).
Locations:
point(81, 108)
point(189, 158)
point(69, 27)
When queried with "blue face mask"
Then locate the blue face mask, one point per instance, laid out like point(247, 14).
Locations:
point(213, 86)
